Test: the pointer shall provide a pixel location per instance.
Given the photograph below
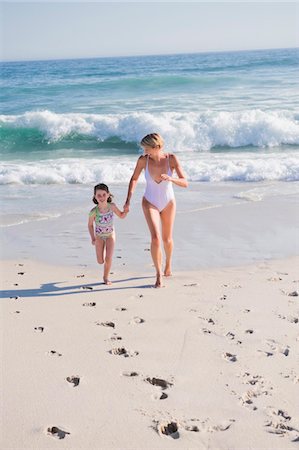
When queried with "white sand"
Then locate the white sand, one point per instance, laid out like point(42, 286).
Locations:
point(225, 340)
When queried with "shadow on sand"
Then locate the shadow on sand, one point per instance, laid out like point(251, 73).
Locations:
point(53, 290)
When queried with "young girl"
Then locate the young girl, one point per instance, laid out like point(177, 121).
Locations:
point(100, 226)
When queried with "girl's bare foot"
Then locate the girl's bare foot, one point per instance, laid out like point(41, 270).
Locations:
point(106, 281)
point(158, 283)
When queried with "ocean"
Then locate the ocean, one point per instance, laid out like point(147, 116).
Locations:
point(231, 117)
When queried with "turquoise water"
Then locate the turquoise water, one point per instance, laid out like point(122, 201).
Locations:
point(229, 116)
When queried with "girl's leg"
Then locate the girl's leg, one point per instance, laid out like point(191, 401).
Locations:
point(100, 248)
point(152, 217)
point(108, 258)
point(167, 220)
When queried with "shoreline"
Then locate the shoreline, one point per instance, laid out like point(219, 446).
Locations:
point(216, 225)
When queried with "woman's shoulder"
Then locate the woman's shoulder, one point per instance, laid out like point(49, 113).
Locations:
point(141, 159)
point(173, 160)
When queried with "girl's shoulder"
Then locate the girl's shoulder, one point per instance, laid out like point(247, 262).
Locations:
point(112, 206)
point(93, 211)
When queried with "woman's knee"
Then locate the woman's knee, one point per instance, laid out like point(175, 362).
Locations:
point(167, 240)
point(100, 260)
point(156, 240)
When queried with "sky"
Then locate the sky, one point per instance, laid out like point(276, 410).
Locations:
point(55, 30)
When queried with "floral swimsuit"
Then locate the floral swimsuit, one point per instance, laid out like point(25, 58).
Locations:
point(103, 222)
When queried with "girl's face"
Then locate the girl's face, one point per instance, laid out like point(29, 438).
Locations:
point(101, 196)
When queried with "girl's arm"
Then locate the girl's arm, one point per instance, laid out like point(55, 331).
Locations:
point(118, 212)
point(91, 229)
point(140, 165)
point(181, 180)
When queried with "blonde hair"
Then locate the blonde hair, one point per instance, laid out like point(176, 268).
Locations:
point(152, 140)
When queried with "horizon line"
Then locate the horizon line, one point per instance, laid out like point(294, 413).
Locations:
point(145, 55)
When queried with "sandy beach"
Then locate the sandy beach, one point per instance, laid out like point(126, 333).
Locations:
point(209, 361)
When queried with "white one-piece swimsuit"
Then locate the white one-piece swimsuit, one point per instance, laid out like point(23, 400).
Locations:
point(158, 194)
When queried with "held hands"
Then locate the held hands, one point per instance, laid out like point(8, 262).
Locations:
point(126, 207)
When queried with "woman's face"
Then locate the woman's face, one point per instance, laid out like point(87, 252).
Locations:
point(148, 150)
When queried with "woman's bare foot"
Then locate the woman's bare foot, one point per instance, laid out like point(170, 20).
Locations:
point(167, 271)
point(158, 283)
point(106, 281)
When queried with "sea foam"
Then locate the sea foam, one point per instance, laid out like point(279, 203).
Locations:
point(246, 167)
point(181, 131)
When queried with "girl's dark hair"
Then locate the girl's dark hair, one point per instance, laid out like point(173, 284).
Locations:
point(101, 187)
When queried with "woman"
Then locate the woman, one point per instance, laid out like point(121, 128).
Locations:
point(158, 202)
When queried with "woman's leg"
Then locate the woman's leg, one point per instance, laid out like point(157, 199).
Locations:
point(152, 217)
point(167, 220)
point(110, 241)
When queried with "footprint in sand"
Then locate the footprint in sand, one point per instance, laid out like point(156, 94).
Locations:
point(291, 319)
point(120, 308)
point(106, 324)
point(130, 374)
point(14, 298)
point(293, 294)
point(230, 335)
point(279, 423)
point(159, 396)
point(209, 320)
point(122, 351)
point(275, 347)
point(206, 331)
point(162, 384)
point(39, 329)
point(89, 304)
point(58, 433)
point(115, 337)
point(292, 376)
point(229, 357)
point(74, 380)
point(197, 425)
point(274, 279)
point(136, 320)
point(21, 273)
point(170, 429)
point(87, 288)
point(54, 353)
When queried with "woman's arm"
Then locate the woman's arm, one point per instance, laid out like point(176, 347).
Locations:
point(140, 165)
point(181, 180)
